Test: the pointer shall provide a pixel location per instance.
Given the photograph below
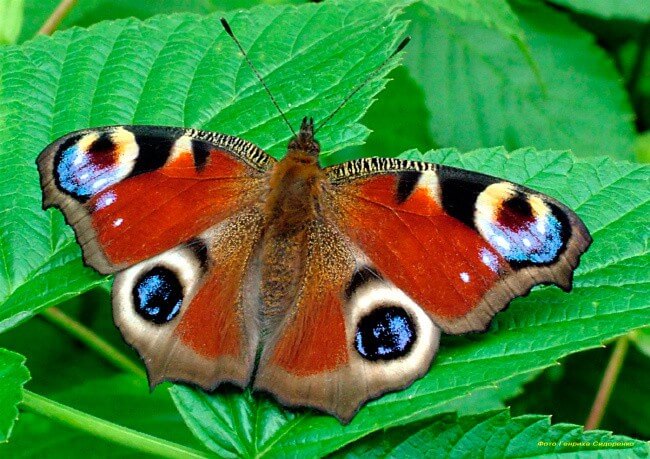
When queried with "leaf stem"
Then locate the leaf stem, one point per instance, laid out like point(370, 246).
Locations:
point(51, 23)
point(607, 384)
point(93, 341)
point(105, 429)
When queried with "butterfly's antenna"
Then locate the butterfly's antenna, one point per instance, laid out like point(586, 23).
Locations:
point(228, 30)
point(372, 74)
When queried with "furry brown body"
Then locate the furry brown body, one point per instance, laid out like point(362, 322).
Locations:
point(292, 210)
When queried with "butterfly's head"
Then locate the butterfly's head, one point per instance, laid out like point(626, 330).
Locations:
point(305, 140)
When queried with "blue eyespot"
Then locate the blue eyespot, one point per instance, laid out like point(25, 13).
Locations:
point(74, 173)
point(83, 173)
point(537, 241)
point(386, 333)
point(158, 295)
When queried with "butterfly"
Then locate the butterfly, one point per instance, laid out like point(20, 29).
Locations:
point(325, 287)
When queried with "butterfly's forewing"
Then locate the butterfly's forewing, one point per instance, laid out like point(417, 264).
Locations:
point(462, 245)
point(132, 192)
point(178, 212)
point(322, 348)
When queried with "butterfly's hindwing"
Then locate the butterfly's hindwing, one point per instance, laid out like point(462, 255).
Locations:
point(348, 336)
point(191, 311)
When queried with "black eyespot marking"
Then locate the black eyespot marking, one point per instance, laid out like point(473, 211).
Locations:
point(154, 147)
point(360, 277)
point(406, 183)
point(519, 205)
point(201, 152)
point(157, 295)
point(102, 146)
point(459, 192)
point(386, 333)
point(200, 250)
point(515, 212)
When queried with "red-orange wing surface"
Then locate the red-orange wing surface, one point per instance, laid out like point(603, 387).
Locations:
point(322, 349)
point(132, 192)
point(462, 245)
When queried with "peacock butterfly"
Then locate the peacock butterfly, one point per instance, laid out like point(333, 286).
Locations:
point(326, 287)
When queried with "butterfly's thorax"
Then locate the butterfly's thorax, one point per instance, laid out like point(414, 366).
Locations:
point(295, 193)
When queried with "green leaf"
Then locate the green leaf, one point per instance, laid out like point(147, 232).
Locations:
point(568, 391)
point(174, 70)
point(635, 10)
point(398, 117)
point(482, 92)
point(496, 14)
point(477, 402)
point(396, 121)
point(90, 12)
point(641, 339)
point(235, 425)
point(609, 298)
point(499, 435)
point(124, 400)
point(13, 375)
point(633, 58)
point(11, 20)
point(232, 424)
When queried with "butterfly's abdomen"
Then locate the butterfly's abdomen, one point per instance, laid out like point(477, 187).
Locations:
point(292, 205)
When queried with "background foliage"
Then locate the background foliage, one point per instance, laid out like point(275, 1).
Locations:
point(514, 84)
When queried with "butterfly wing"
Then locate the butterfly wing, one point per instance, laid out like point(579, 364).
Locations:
point(133, 192)
point(178, 213)
point(462, 245)
point(191, 311)
point(337, 333)
point(354, 299)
